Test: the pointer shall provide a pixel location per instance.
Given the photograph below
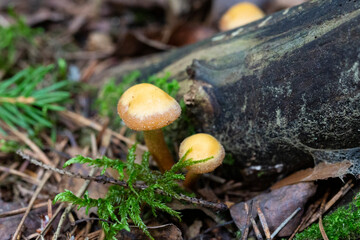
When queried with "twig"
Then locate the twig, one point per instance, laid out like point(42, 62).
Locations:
point(98, 127)
point(283, 224)
point(50, 213)
point(47, 227)
point(81, 191)
point(263, 221)
point(21, 210)
point(321, 226)
point(68, 208)
point(5, 174)
point(104, 179)
point(59, 148)
point(306, 218)
point(35, 148)
point(256, 229)
point(24, 176)
point(46, 177)
point(21, 99)
point(249, 213)
point(331, 202)
point(41, 185)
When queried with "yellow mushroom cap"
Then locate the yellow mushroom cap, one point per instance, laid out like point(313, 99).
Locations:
point(239, 15)
point(146, 107)
point(202, 146)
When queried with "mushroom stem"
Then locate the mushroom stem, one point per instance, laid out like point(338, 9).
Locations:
point(190, 179)
point(155, 142)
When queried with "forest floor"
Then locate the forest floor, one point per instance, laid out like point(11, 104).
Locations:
point(51, 111)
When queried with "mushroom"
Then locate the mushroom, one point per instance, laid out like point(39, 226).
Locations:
point(239, 15)
point(201, 146)
point(145, 107)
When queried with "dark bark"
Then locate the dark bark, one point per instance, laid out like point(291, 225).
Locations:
point(275, 90)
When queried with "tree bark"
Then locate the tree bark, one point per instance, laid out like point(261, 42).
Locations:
point(276, 89)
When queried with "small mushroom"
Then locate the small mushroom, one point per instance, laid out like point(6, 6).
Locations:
point(239, 15)
point(201, 146)
point(145, 107)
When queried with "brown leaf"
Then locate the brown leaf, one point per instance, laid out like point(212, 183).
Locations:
point(321, 171)
point(276, 206)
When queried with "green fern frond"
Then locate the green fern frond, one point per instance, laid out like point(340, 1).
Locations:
point(123, 204)
point(103, 162)
point(68, 196)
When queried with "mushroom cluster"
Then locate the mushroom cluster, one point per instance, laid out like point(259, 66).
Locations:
point(145, 107)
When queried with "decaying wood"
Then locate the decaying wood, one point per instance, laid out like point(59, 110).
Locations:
point(277, 91)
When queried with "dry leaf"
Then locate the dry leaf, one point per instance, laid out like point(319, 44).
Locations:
point(276, 206)
point(321, 171)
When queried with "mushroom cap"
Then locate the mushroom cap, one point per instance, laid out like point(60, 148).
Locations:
point(146, 107)
point(239, 15)
point(202, 146)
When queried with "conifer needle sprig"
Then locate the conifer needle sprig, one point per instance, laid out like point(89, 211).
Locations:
point(24, 103)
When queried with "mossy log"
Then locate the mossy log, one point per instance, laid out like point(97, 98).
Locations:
point(273, 89)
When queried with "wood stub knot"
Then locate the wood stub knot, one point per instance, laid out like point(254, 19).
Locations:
point(201, 102)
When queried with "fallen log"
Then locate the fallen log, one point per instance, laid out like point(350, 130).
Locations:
point(278, 92)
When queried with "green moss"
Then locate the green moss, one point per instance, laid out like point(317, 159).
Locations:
point(344, 223)
point(229, 159)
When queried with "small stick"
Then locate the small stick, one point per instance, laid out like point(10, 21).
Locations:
point(24, 176)
point(321, 226)
point(263, 221)
point(249, 213)
point(104, 179)
point(283, 224)
point(21, 210)
point(102, 131)
point(331, 202)
point(31, 203)
point(79, 193)
point(46, 177)
point(5, 174)
point(95, 234)
point(88, 123)
point(306, 218)
point(50, 213)
point(101, 235)
point(68, 208)
point(47, 227)
point(36, 149)
point(256, 229)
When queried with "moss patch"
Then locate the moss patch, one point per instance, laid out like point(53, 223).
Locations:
point(344, 223)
